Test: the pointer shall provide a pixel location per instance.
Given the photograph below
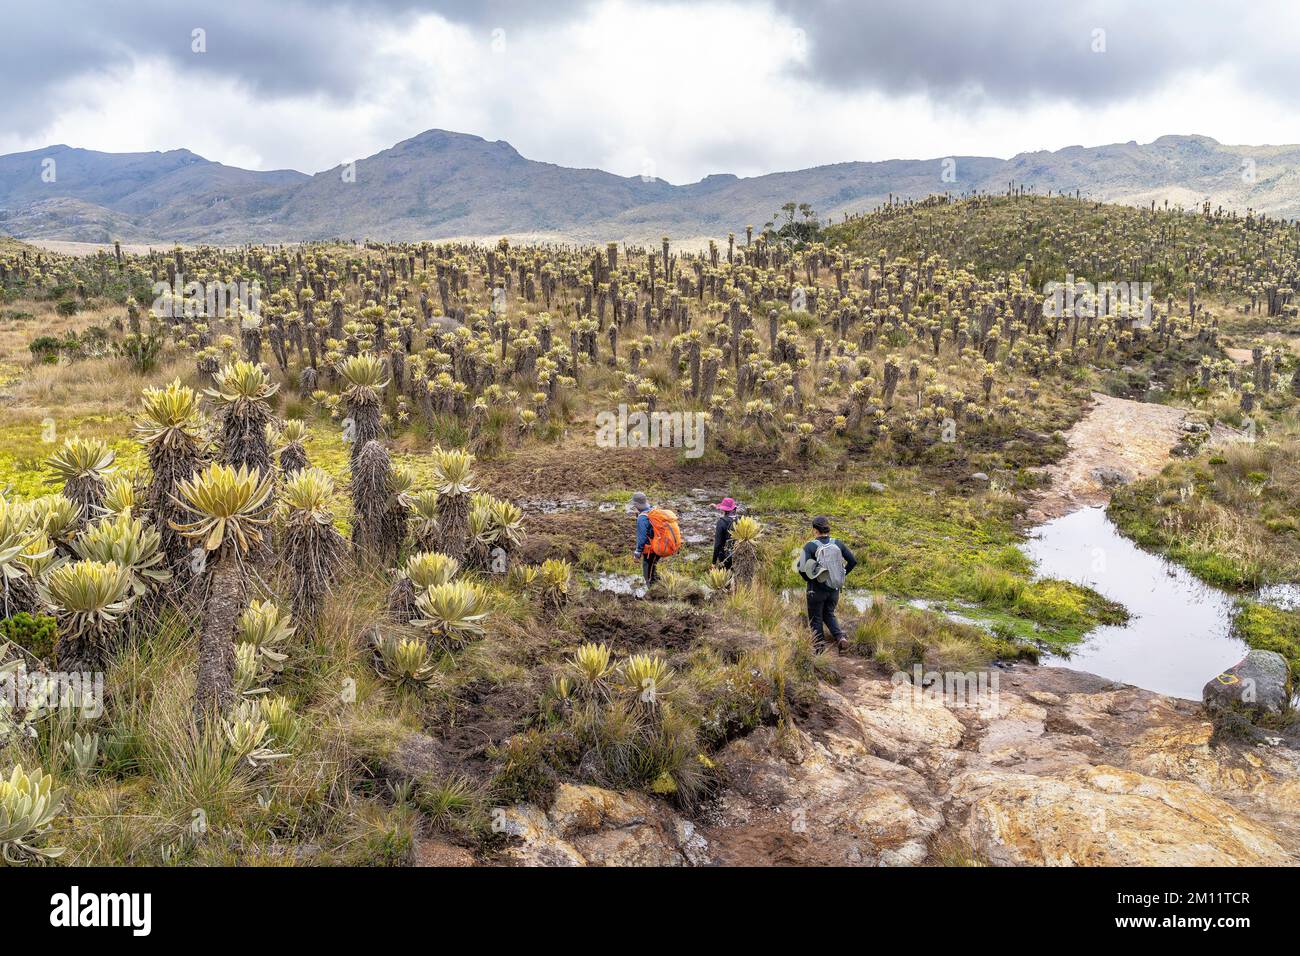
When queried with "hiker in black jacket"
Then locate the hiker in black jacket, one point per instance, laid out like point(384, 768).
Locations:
point(722, 533)
point(824, 593)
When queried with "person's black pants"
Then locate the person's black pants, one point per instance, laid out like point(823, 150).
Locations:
point(821, 615)
point(648, 562)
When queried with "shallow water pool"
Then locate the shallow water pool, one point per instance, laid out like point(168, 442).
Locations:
point(1178, 635)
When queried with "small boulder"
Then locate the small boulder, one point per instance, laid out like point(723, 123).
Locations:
point(1260, 683)
point(1109, 477)
point(979, 476)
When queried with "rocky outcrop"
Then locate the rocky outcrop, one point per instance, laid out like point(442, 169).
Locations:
point(1104, 816)
point(592, 826)
point(1035, 766)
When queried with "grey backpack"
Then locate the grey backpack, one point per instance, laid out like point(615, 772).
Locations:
point(829, 561)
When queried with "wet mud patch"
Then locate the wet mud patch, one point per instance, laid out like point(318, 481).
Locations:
point(563, 534)
point(480, 716)
point(629, 625)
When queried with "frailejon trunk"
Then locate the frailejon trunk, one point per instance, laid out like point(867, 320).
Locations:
point(225, 600)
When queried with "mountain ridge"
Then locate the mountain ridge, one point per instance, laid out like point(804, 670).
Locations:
point(443, 184)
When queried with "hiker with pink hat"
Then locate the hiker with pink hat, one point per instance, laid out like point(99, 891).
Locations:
point(722, 532)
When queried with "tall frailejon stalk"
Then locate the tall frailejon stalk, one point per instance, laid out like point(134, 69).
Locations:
point(744, 556)
point(228, 510)
point(171, 427)
point(243, 390)
point(454, 483)
point(365, 377)
point(312, 547)
point(293, 454)
point(422, 518)
point(396, 517)
point(370, 487)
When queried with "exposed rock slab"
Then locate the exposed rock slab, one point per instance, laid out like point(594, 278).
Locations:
point(593, 826)
point(1047, 767)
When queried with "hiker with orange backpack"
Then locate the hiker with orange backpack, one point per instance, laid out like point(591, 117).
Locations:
point(657, 535)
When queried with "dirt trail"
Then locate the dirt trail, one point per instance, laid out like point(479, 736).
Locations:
point(1118, 441)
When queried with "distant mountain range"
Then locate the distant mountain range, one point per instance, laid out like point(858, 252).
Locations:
point(441, 184)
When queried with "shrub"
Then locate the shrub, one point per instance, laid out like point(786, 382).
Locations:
point(36, 633)
point(45, 349)
point(142, 351)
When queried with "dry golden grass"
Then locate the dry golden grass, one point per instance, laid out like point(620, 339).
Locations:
point(28, 319)
point(100, 386)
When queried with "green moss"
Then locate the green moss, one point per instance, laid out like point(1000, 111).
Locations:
point(1268, 628)
point(1213, 522)
point(917, 541)
point(24, 447)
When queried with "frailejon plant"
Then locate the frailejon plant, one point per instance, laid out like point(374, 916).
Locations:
point(396, 519)
point(311, 546)
point(88, 599)
point(555, 582)
point(229, 509)
point(646, 681)
point(293, 454)
point(454, 483)
point(172, 430)
point(242, 390)
point(370, 487)
point(29, 804)
point(251, 671)
point(21, 540)
point(422, 508)
point(592, 671)
point(248, 735)
point(452, 613)
point(280, 719)
point(81, 465)
point(119, 497)
point(81, 751)
point(719, 580)
point(59, 517)
point(744, 556)
point(481, 532)
point(422, 570)
point(404, 660)
point(267, 628)
point(130, 543)
point(365, 377)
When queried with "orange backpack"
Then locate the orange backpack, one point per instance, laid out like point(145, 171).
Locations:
point(667, 538)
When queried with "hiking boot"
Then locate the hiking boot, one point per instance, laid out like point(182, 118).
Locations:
point(819, 647)
point(842, 645)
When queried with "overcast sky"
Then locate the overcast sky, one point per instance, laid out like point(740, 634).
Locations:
point(677, 90)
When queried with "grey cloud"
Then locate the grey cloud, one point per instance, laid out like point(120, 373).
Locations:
point(277, 49)
point(1010, 51)
point(962, 52)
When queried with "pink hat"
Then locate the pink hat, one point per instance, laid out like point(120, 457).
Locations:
point(726, 504)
